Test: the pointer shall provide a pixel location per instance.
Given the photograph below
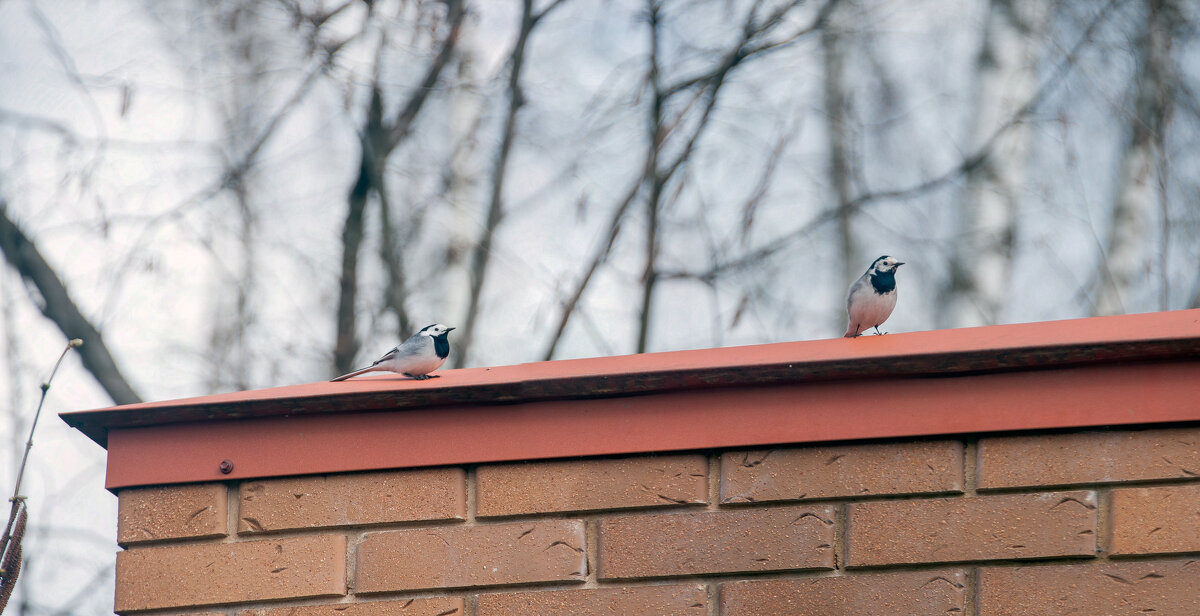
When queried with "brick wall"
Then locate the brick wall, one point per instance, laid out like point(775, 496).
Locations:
point(1082, 523)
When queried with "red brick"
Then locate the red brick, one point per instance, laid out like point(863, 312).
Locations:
point(461, 556)
point(584, 485)
point(760, 539)
point(1144, 588)
point(689, 600)
point(171, 512)
point(835, 472)
point(203, 574)
point(1008, 526)
point(352, 499)
point(1089, 457)
point(1156, 520)
point(434, 606)
point(882, 594)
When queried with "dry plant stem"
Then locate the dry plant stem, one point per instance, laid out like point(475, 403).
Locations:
point(17, 500)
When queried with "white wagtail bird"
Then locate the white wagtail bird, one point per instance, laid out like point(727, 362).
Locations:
point(416, 357)
point(872, 297)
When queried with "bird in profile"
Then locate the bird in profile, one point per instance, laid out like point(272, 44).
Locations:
point(872, 297)
point(416, 357)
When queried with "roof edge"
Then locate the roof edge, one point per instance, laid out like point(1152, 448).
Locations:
point(938, 353)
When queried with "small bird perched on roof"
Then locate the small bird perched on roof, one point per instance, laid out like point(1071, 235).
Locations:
point(416, 357)
point(872, 297)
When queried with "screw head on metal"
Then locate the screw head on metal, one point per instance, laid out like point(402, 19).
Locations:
point(226, 467)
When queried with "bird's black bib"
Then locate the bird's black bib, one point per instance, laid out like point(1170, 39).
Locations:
point(441, 345)
point(883, 282)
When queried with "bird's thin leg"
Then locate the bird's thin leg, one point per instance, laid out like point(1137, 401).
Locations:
point(877, 332)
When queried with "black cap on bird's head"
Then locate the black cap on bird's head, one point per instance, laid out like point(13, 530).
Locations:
point(437, 330)
point(885, 265)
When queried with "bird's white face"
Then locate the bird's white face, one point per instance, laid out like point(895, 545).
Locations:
point(887, 264)
point(437, 329)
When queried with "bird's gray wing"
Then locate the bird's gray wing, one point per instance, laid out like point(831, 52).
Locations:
point(386, 356)
point(413, 346)
point(856, 288)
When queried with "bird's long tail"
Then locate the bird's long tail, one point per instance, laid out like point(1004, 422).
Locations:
point(355, 373)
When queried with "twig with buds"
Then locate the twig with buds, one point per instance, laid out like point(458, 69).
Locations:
point(14, 530)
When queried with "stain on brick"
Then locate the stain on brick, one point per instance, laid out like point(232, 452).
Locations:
point(1158, 520)
point(1089, 457)
point(807, 473)
point(431, 606)
point(760, 539)
point(673, 600)
point(203, 574)
point(585, 485)
point(455, 556)
point(874, 594)
point(1144, 588)
point(1002, 526)
point(171, 512)
point(351, 499)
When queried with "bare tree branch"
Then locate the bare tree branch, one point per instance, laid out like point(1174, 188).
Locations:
point(58, 306)
point(481, 253)
point(46, 124)
point(54, 40)
point(571, 305)
point(377, 141)
point(408, 113)
point(656, 176)
point(93, 586)
point(751, 30)
point(661, 130)
point(750, 206)
point(238, 169)
point(966, 165)
point(233, 173)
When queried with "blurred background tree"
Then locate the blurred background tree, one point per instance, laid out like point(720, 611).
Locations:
point(231, 194)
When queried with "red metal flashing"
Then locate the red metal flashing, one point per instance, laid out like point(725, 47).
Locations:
point(1136, 369)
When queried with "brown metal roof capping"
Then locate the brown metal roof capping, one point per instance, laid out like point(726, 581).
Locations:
point(1133, 369)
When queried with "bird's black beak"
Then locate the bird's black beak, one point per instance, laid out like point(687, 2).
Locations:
point(899, 264)
point(449, 329)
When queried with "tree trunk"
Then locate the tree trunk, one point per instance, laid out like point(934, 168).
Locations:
point(346, 343)
point(391, 252)
point(482, 253)
point(1127, 260)
point(378, 140)
point(656, 135)
point(836, 104)
point(981, 262)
